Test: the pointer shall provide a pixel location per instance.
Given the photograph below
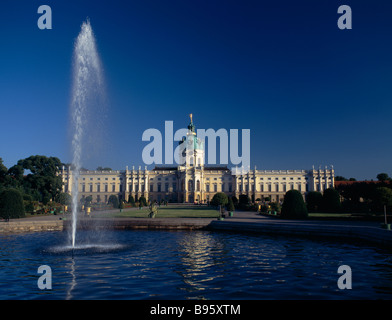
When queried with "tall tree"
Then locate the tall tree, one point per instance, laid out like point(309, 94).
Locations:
point(42, 180)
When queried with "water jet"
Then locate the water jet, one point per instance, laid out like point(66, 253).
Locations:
point(87, 90)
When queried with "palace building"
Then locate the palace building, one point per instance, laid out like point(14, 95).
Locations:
point(194, 181)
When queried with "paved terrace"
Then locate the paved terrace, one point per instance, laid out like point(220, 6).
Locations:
point(358, 231)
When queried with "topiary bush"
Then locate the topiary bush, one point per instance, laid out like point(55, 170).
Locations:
point(113, 200)
point(11, 204)
point(219, 199)
point(230, 205)
point(294, 206)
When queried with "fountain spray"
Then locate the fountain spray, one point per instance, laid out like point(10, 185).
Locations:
point(87, 88)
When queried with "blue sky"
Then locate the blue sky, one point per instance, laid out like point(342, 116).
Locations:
point(310, 93)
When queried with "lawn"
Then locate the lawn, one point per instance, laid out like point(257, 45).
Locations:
point(167, 212)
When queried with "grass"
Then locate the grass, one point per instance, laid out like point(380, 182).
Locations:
point(166, 212)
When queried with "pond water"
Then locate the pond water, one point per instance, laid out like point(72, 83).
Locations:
point(189, 265)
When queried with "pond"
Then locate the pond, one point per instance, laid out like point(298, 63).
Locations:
point(189, 265)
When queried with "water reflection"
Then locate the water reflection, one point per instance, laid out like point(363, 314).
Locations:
point(73, 280)
point(192, 265)
point(200, 258)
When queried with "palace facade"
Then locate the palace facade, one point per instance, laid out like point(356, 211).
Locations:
point(195, 182)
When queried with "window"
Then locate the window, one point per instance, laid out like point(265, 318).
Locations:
point(166, 187)
point(269, 188)
point(151, 187)
point(190, 185)
point(106, 188)
point(83, 188)
point(174, 187)
point(198, 185)
point(207, 188)
point(215, 187)
point(91, 188)
point(230, 187)
point(159, 187)
point(98, 188)
point(121, 187)
point(113, 188)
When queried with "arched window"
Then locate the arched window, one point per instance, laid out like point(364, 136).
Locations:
point(190, 185)
point(198, 185)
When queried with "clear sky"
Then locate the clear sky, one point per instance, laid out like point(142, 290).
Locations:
point(310, 93)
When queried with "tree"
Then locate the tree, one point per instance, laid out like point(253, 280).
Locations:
point(340, 178)
point(294, 206)
point(131, 200)
point(42, 182)
point(314, 201)
point(64, 198)
point(243, 202)
point(383, 177)
point(113, 200)
point(143, 201)
point(383, 197)
point(11, 204)
point(88, 200)
point(230, 205)
point(104, 169)
point(219, 199)
point(331, 200)
point(3, 173)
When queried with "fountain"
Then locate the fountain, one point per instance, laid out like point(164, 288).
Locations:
point(87, 90)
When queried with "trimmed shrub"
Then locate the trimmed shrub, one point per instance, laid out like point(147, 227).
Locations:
point(294, 206)
point(142, 201)
point(230, 205)
point(314, 201)
point(331, 201)
point(243, 202)
point(219, 199)
point(113, 200)
point(131, 200)
point(11, 204)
